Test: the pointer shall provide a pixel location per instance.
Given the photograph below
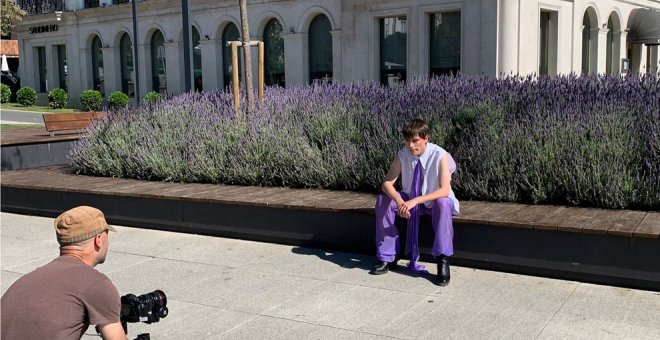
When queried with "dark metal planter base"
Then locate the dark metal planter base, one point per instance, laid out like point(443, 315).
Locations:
point(604, 259)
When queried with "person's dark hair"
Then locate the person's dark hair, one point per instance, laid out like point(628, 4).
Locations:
point(415, 127)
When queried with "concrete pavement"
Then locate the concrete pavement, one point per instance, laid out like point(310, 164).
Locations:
point(231, 289)
point(20, 117)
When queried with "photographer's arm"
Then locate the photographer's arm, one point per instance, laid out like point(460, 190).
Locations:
point(112, 331)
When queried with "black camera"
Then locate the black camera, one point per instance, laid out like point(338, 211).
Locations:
point(147, 308)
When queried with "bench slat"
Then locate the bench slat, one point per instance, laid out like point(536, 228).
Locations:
point(626, 224)
point(649, 227)
point(490, 209)
point(526, 218)
point(553, 221)
point(66, 117)
point(602, 222)
point(468, 210)
point(72, 125)
point(578, 220)
point(504, 217)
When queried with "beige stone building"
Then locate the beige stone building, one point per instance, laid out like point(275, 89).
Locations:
point(88, 44)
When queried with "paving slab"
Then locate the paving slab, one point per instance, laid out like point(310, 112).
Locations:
point(623, 314)
point(221, 288)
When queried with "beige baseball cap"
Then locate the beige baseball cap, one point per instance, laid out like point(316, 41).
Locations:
point(79, 224)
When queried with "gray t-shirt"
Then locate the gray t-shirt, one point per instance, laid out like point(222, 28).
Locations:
point(58, 301)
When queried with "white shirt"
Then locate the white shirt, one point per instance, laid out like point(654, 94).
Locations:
point(430, 171)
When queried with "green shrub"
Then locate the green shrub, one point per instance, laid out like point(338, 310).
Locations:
point(151, 97)
point(5, 91)
point(57, 98)
point(91, 100)
point(26, 96)
point(117, 99)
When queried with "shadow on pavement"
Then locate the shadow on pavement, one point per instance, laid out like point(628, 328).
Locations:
point(366, 263)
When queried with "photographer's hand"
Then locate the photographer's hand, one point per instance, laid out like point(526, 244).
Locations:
point(112, 331)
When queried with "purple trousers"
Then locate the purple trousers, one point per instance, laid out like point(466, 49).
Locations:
point(387, 237)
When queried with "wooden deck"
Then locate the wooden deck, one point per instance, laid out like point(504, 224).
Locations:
point(21, 136)
point(624, 223)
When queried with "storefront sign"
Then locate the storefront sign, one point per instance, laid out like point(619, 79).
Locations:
point(43, 29)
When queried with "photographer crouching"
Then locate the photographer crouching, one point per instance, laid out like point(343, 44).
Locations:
point(61, 299)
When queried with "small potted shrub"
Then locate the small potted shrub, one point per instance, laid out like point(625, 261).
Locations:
point(151, 97)
point(26, 96)
point(57, 98)
point(5, 93)
point(91, 100)
point(117, 100)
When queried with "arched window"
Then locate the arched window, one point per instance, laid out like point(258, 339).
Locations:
point(274, 54)
point(97, 64)
point(158, 80)
point(610, 41)
point(127, 74)
point(586, 44)
point(197, 60)
point(320, 50)
point(230, 33)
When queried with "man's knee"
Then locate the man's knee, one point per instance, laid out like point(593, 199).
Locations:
point(444, 204)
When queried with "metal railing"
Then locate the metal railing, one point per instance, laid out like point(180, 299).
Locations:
point(33, 7)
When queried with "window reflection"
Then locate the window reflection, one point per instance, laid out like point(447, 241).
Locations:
point(393, 50)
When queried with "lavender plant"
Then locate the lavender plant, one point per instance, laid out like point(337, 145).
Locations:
point(591, 141)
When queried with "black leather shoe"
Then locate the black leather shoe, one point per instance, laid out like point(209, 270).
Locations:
point(383, 267)
point(443, 271)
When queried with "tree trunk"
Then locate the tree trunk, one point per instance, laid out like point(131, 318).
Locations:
point(247, 55)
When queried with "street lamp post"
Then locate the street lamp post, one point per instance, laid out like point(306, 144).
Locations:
point(135, 54)
point(187, 44)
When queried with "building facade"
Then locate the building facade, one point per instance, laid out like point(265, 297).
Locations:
point(88, 44)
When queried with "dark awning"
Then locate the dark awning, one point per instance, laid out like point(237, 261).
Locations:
point(644, 26)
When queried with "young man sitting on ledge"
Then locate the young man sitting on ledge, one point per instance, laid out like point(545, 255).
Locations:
point(425, 170)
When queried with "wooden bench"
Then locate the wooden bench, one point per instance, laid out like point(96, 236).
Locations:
point(74, 121)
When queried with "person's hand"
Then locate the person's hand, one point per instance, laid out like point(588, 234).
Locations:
point(405, 208)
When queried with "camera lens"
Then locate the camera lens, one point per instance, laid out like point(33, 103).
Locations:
point(147, 308)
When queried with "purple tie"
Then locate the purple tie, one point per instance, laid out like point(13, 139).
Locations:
point(412, 244)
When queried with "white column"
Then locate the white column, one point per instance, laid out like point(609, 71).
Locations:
point(111, 71)
point(488, 41)
point(601, 50)
point(74, 74)
point(55, 74)
point(144, 65)
point(255, 64)
point(642, 58)
point(507, 37)
point(84, 58)
point(295, 53)
point(51, 68)
point(577, 50)
point(211, 64)
point(31, 73)
point(336, 55)
point(553, 38)
point(173, 67)
point(655, 59)
point(623, 50)
point(593, 50)
point(616, 52)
